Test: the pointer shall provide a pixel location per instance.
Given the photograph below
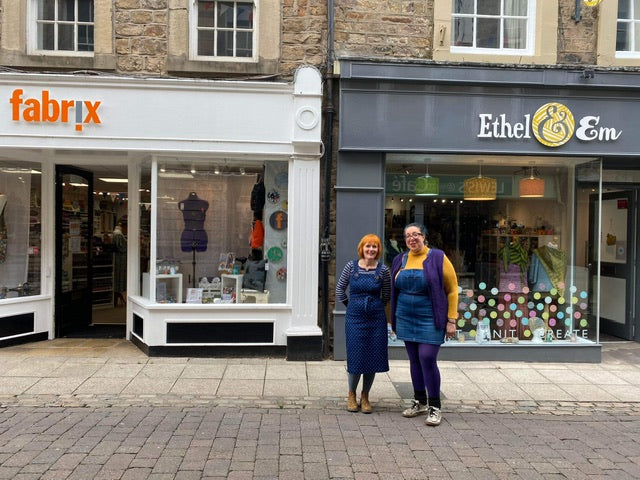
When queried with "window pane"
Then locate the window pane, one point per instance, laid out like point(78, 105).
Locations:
point(85, 10)
point(46, 10)
point(624, 9)
point(66, 10)
point(206, 11)
point(515, 33)
point(463, 6)
point(515, 7)
point(463, 32)
point(244, 47)
point(85, 38)
point(225, 44)
point(225, 15)
point(245, 16)
point(622, 37)
point(489, 7)
point(636, 37)
point(488, 33)
point(45, 36)
point(205, 42)
point(65, 37)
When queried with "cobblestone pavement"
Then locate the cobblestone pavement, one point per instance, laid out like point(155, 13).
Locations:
point(216, 442)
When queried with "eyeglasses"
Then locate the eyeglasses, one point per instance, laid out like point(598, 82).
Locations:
point(413, 235)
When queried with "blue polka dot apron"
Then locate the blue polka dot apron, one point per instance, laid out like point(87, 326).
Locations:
point(366, 324)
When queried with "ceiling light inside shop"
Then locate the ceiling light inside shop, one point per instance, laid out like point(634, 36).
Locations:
point(175, 175)
point(531, 186)
point(480, 188)
point(427, 185)
point(114, 180)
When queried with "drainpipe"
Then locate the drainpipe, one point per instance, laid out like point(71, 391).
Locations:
point(577, 16)
point(325, 245)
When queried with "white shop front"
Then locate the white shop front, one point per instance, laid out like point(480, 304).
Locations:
point(190, 172)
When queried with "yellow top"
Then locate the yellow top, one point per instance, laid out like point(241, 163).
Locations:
point(450, 279)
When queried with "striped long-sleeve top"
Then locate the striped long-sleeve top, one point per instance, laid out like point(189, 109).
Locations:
point(345, 276)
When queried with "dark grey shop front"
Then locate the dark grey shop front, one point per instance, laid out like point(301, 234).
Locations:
point(394, 109)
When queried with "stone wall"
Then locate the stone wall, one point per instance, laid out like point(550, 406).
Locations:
point(577, 41)
point(304, 34)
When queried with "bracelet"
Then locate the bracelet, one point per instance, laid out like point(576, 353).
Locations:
point(454, 321)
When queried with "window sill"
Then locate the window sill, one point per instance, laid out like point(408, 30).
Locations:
point(57, 61)
point(263, 66)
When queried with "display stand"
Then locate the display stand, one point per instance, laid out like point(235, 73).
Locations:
point(172, 282)
point(231, 284)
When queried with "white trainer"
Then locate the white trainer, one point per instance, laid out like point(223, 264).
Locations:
point(415, 409)
point(434, 417)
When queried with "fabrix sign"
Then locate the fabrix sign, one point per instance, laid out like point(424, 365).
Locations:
point(43, 108)
point(553, 125)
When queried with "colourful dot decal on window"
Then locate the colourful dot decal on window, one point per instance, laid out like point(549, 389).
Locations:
point(553, 291)
point(507, 315)
point(525, 321)
point(473, 307)
point(532, 313)
point(500, 307)
point(462, 306)
point(481, 298)
point(583, 306)
point(574, 300)
point(482, 312)
point(527, 333)
point(553, 308)
point(583, 294)
point(493, 315)
point(560, 315)
point(531, 305)
point(567, 322)
point(499, 322)
point(552, 322)
point(511, 286)
point(494, 291)
point(492, 302)
point(577, 315)
point(521, 300)
point(537, 296)
point(525, 290)
point(545, 315)
point(472, 333)
point(573, 289)
point(470, 293)
point(474, 321)
point(547, 300)
point(467, 315)
point(542, 286)
point(482, 285)
point(513, 323)
point(583, 323)
point(540, 306)
point(561, 300)
point(507, 298)
point(513, 306)
point(518, 313)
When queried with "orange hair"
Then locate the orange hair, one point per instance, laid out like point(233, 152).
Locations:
point(369, 238)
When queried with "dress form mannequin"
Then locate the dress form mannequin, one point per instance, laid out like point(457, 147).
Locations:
point(194, 237)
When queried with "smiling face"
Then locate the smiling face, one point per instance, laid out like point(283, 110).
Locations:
point(370, 251)
point(414, 239)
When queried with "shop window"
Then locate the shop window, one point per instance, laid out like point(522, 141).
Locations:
point(521, 261)
point(514, 31)
point(223, 29)
point(20, 217)
point(62, 26)
point(619, 33)
point(221, 234)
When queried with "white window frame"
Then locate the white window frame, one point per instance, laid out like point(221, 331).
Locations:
point(531, 29)
point(635, 25)
point(193, 34)
point(32, 32)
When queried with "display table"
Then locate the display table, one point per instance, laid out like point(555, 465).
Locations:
point(168, 287)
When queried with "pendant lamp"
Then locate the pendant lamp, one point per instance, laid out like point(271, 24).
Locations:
point(531, 186)
point(480, 188)
point(427, 186)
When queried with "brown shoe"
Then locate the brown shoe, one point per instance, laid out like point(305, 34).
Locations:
point(352, 403)
point(365, 406)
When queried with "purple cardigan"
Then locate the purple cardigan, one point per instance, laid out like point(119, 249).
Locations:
point(432, 269)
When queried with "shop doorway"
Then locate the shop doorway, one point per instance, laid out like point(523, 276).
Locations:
point(89, 297)
point(618, 267)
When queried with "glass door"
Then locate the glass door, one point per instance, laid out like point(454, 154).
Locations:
point(74, 227)
point(616, 245)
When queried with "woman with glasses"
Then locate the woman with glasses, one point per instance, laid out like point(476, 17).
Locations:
point(424, 308)
point(369, 284)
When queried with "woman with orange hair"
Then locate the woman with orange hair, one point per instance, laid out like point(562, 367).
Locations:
point(369, 284)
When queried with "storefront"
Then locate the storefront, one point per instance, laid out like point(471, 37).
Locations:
point(526, 178)
point(186, 208)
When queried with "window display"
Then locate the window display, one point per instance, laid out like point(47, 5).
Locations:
point(520, 260)
point(223, 226)
point(20, 217)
